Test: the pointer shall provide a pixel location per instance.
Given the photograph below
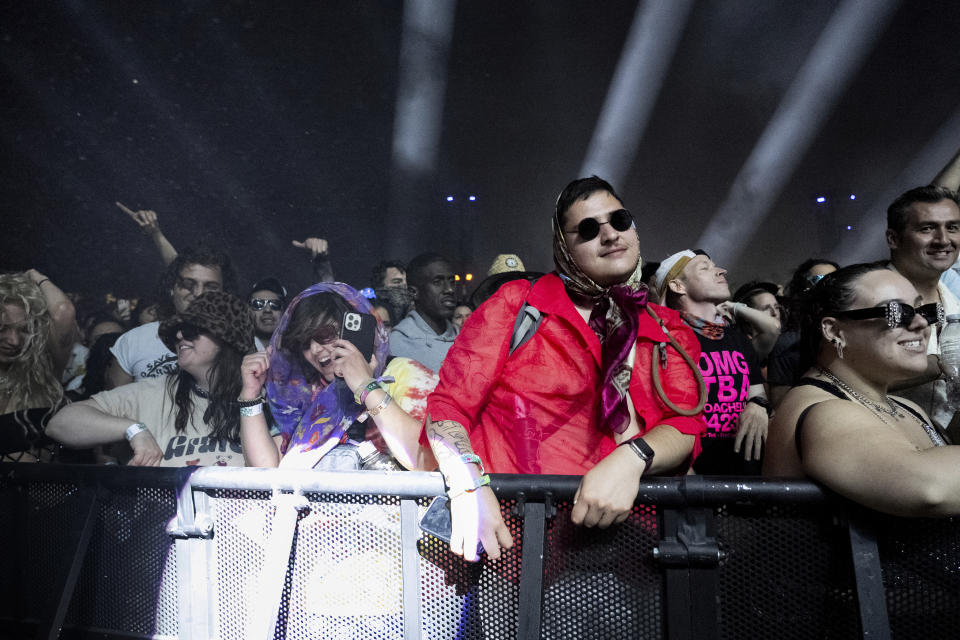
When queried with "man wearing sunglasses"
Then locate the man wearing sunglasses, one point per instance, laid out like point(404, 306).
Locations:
point(140, 353)
point(578, 396)
point(923, 234)
point(267, 300)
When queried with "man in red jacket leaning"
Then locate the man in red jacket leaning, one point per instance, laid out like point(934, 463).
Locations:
point(578, 397)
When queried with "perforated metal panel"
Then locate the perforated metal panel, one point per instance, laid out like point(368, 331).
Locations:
point(786, 574)
point(467, 600)
point(343, 577)
point(602, 583)
point(921, 574)
point(56, 512)
point(131, 560)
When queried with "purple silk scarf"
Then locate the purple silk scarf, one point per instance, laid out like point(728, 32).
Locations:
point(312, 416)
point(615, 319)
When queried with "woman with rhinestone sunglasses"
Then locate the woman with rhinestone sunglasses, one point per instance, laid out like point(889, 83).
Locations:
point(866, 329)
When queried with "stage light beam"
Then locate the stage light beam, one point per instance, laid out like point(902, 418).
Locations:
point(651, 43)
point(849, 36)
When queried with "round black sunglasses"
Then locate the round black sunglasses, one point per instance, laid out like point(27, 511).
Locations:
point(589, 228)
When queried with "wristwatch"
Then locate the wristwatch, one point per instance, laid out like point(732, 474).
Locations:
point(642, 449)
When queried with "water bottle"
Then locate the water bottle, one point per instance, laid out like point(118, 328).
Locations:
point(371, 458)
point(950, 358)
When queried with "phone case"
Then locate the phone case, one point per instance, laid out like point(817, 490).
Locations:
point(436, 521)
point(360, 329)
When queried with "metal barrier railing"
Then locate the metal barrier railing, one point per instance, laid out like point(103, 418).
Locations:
point(251, 553)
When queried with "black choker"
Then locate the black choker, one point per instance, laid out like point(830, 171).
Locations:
point(200, 392)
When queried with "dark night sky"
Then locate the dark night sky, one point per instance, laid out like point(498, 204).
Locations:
point(250, 124)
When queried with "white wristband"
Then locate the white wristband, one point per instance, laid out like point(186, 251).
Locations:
point(249, 412)
point(133, 430)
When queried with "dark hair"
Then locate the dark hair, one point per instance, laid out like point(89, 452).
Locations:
point(418, 266)
point(222, 414)
point(793, 292)
point(98, 360)
point(99, 318)
point(799, 282)
point(311, 313)
point(581, 189)
point(833, 293)
point(380, 271)
point(203, 256)
point(899, 209)
point(648, 269)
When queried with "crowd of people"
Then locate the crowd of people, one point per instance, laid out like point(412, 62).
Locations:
point(606, 367)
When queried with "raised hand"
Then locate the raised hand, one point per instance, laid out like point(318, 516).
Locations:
point(316, 246)
point(145, 218)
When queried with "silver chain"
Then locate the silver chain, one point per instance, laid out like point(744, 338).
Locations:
point(890, 409)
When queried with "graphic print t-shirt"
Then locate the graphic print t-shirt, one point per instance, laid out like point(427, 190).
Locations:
point(150, 403)
point(729, 366)
point(142, 354)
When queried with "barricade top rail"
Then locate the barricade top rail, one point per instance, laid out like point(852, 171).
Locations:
point(666, 491)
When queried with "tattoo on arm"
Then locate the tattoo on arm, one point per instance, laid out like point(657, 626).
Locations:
point(448, 439)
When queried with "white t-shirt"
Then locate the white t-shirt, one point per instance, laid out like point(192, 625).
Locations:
point(152, 404)
point(932, 396)
point(77, 364)
point(142, 354)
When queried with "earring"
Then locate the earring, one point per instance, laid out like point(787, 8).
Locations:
point(839, 345)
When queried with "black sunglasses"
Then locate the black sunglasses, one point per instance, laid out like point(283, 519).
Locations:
point(189, 331)
point(897, 314)
point(589, 228)
point(259, 303)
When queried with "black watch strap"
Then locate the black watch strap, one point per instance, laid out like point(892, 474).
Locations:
point(642, 449)
point(763, 402)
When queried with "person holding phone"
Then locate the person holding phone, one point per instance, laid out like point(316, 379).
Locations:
point(325, 369)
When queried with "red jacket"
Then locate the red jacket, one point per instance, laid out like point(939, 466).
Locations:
point(537, 410)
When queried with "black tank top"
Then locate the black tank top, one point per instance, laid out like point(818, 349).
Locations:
point(832, 388)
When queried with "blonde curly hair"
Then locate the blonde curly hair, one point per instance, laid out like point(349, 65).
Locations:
point(29, 380)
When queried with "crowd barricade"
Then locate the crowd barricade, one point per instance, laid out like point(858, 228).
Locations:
point(218, 552)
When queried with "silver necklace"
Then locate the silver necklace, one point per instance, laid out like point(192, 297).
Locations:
point(876, 408)
point(887, 408)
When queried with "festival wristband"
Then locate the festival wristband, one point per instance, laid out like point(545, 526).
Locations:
point(472, 458)
point(360, 393)
point(134, 430)
point(482, 481)
point(250, 411)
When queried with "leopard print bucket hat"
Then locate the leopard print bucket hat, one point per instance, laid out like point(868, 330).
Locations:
point(222, 315)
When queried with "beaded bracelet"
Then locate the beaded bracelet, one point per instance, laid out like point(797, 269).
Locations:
point(251, 403)
point(482, 481)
